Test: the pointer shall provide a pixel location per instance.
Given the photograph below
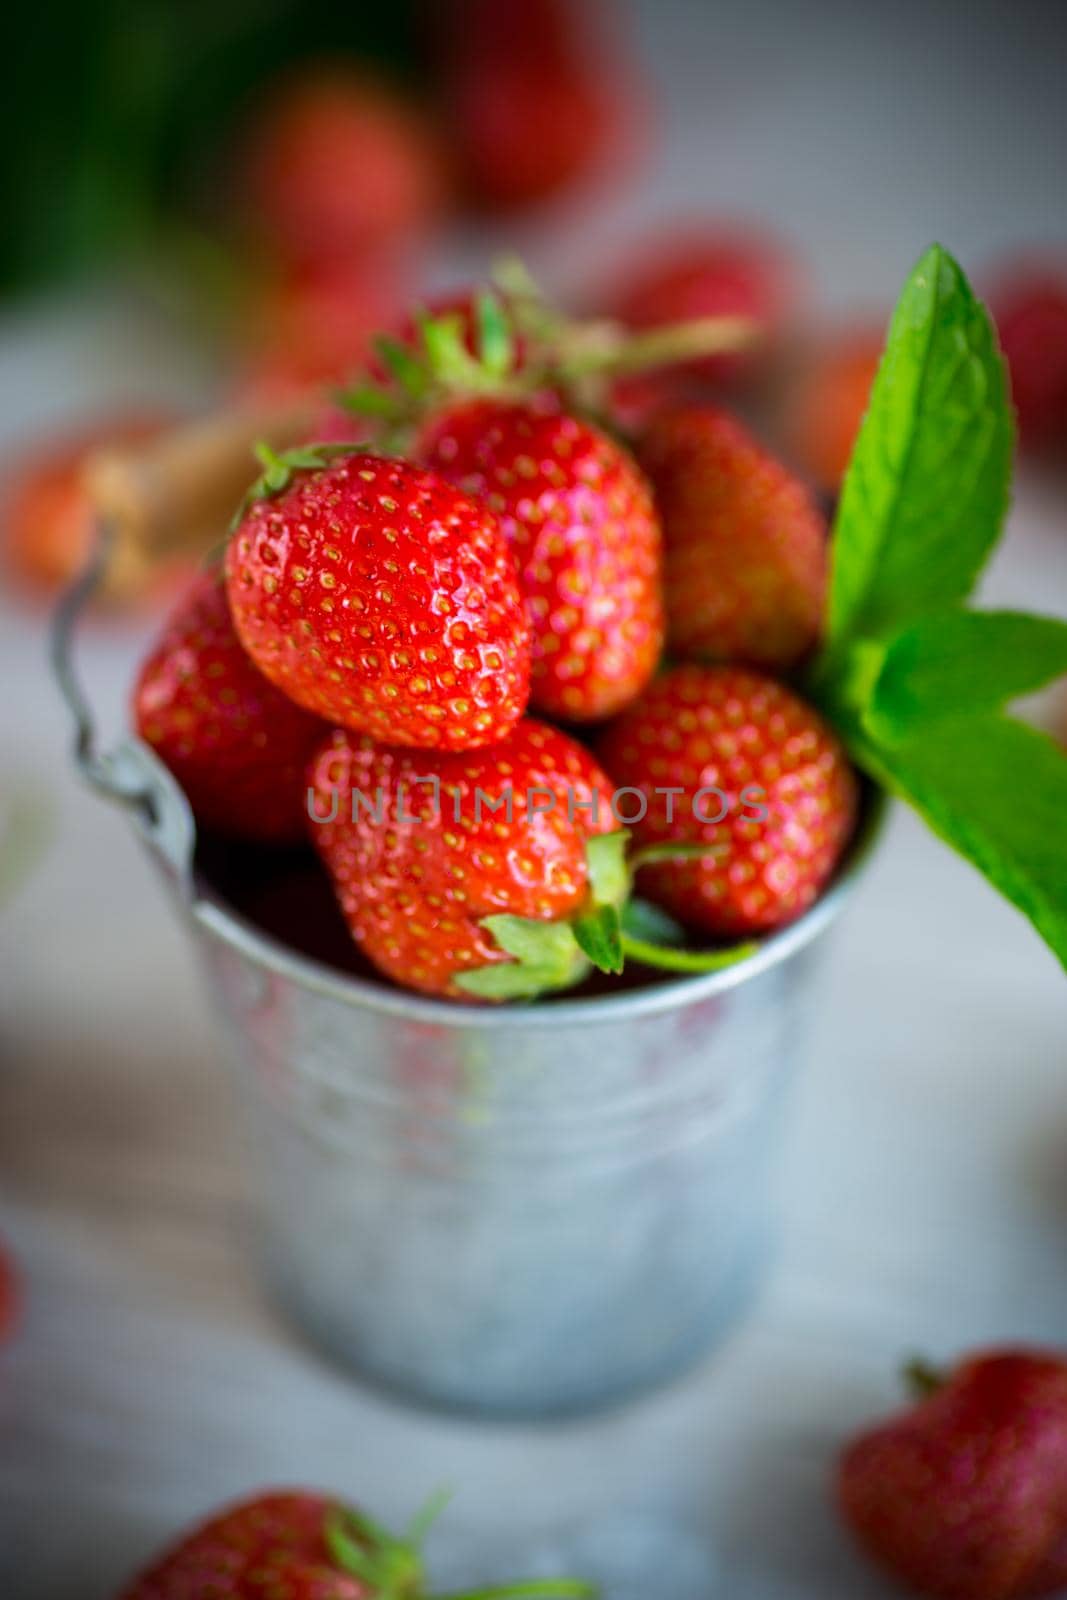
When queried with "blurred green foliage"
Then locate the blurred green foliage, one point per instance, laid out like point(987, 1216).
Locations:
point(120, 113)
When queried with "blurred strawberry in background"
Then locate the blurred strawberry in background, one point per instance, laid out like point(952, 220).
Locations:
point(695, 270)
point(826, 402)
point(537, 95)
point(47, 523)
point(1029, 301)
point(314, 324)
point(338, 162)
point(10, 1296)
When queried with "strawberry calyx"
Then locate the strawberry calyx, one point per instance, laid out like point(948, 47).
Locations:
point(923, 1379)
point(279, 467)
point(611, 927)
point(523, 346)
point(548, 956)
point(391, 1567)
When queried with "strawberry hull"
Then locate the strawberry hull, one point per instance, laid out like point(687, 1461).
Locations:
point(522, 1211)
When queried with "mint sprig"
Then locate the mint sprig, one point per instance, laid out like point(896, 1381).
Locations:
point(916, 683)
point(955, 664)
point(926, 490)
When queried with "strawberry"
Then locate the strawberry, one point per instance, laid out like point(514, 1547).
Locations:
point(782, 810)
point(337, 162)
point(964, 1495)
point(295, 1545)
point(1030, 306)
point(234, 743)
point(314, 324)
point(536, 101)
point(48, 516)
point(10, 1296)
point(745, 546)
point(585, 537)
point(829, 401)
point(701, 272)
point(464, 874)
point(375, 594)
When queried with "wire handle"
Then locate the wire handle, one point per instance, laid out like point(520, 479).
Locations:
point(130, 775)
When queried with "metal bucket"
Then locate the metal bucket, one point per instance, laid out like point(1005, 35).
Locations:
point(523, 1211)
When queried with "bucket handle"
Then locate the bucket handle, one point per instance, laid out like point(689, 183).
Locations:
point(130, 775)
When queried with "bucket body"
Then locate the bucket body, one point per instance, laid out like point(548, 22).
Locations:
point(524, 1211)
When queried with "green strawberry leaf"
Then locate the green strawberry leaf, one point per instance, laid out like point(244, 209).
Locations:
point(598, 934)
point(450, 363)
point(644, 921)
point(278, 469)
point(547, 956)
point(368, 400)
point(996, 790)
point(496, 345)
point(406, 368)
point(607, 868)
point(928, 483)
point(961, 662)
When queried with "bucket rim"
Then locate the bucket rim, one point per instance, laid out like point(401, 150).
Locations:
point(217, 917)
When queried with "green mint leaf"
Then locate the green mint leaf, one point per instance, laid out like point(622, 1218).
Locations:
point(927, 487)
point(599, 935)
point(996, 790)
point(961, 662)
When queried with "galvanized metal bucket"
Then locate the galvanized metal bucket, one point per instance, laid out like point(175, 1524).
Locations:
point(524, 1211)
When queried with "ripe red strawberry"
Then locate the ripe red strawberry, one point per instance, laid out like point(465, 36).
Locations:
point(294, 1545)
point(829, 401)
point(375, 594)
point(585, 537)
point(10, 1296)
point(537, 102)
point(419, 858)
point(315, 324)
point(236, 746)
point(701, 272)
point(964, 1495)
point(48, 527)
point(745, 546)
point(1030, 306)
point(783, 813)
point(338, 162)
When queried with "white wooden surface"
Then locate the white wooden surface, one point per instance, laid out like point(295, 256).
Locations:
point(926, 1178)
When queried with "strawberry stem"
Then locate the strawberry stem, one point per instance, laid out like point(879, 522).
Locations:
point(532, 1589)
point(923, 1379)
point(651, 855)
point(618, 353)
point(668, 959)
